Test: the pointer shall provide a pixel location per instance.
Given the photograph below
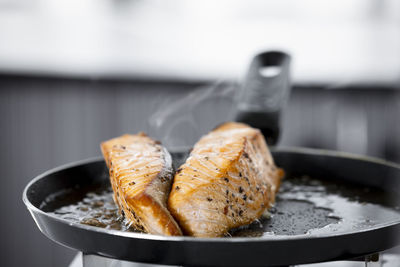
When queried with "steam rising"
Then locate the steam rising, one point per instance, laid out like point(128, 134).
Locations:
point(180, 123)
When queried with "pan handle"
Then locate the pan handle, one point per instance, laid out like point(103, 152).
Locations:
point(264, 93)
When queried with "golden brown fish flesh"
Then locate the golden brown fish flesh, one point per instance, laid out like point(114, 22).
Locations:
point(141, 174)
point(228, 181)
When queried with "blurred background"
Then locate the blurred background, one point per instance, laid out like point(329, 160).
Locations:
point(74, 73)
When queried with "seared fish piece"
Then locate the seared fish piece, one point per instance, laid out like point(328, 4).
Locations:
point(228, 181)
point(141, 175)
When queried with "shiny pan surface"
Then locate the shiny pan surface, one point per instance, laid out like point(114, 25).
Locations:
point(353, 226)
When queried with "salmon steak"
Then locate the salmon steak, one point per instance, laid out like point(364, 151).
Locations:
point(141, 174)
point(228, 180)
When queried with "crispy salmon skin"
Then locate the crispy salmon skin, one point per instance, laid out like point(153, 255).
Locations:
point(228, 181)
point(141, 175)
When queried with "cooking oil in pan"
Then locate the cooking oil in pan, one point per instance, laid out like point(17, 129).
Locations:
point(304, 206)
point(90, 206)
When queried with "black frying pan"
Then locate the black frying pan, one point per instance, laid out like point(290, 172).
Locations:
point(366, 183)
point(345, 210)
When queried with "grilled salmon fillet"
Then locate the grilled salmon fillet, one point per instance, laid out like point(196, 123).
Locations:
point(141, 175)
point(228, 181)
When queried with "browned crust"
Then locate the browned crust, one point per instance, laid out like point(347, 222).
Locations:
point(274, 174)
point(142, 205)
point(107, 146)
point(229, 125)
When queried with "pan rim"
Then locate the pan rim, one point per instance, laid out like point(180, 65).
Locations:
point(273, 238)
